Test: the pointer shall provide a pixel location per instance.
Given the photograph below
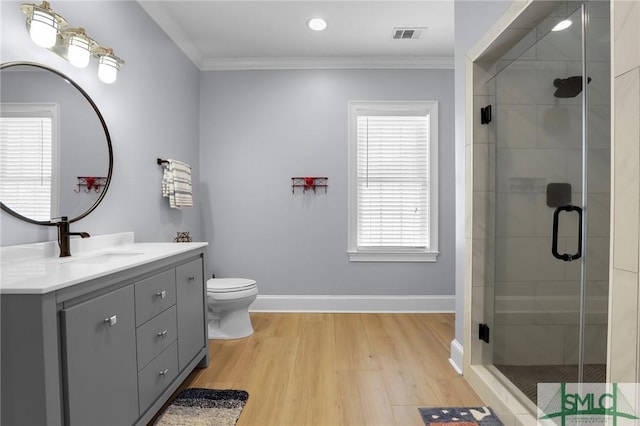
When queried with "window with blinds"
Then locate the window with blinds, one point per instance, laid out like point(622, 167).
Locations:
point(28, 140)
point(393, 208)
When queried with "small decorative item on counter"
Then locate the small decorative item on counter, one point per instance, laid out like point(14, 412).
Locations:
point(183, 237)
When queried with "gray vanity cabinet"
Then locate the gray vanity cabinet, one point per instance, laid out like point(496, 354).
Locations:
point(107, 351)
point(191, 292)
point(99, 360)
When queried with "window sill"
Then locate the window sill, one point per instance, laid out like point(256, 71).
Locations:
point(395, 256)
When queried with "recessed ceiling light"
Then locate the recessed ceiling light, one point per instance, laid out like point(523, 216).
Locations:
point(562, 25)
point(317, 24)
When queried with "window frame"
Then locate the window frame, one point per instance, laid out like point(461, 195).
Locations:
point(386, 254)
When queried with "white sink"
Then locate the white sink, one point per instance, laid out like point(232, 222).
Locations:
point(102, 258)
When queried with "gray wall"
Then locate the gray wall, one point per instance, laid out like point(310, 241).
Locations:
point(259, 129)
point(151, 111)
point(293, 244)
point(472, 20)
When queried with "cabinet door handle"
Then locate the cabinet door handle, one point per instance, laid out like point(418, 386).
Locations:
point(111, 320)
point(162, 294)
point(191, 279)
point(164, 372)
point(162, 333)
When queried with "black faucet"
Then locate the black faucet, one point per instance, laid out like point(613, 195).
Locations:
point(62, 223)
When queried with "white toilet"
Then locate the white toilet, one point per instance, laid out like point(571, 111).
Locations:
point(228, 301)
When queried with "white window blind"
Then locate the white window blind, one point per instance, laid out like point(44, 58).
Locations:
point(26, 160)
point(393, 177)
point(393, 207)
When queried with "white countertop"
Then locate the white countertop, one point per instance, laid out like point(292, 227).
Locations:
point(36, 269)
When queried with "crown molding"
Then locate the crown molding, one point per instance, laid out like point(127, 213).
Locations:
point(160, 14)
point(233, 64)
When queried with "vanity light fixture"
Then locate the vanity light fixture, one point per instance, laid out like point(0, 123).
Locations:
point(108, 64)
point(79, 47)
point(317, 24)
point(51, 31)
point(43, 23)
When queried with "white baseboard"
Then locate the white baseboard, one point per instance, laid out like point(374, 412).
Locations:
point(356, 303)
point(456, 359)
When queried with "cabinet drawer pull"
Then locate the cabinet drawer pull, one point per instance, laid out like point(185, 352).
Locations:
point(162, 333)
point(111, 320)
point(191, 279)
point(162, 294)
point(164, 372)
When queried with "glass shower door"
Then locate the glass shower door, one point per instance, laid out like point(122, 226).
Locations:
point(551, 208)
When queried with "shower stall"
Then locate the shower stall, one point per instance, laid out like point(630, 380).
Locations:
point(541, 197)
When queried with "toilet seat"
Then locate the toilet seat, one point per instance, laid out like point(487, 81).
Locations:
point(228, 301)
point(229, 285)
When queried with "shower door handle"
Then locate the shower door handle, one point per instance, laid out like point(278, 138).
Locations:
point(554, 245)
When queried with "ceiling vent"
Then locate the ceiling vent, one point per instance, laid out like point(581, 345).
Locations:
point(408, 33)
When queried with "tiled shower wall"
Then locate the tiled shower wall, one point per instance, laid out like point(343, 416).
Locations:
point(623, 339)
point(535, 140)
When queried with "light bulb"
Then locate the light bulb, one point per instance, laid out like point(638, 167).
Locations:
point(317, 24)
point(79, 52)
point(108, 69)
point(43, 28)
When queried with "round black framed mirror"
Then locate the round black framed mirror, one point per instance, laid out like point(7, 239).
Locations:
point(56, 157)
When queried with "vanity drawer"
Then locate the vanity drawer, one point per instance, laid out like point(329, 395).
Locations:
point(155, 336)
point(155, 377)
point(154, 295)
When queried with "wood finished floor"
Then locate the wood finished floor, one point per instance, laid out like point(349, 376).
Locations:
point(339, 369)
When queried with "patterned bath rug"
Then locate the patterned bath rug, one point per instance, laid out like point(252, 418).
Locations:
point(459, 416)
point(196, 407)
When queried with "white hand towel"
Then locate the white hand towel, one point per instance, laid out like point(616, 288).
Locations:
point(176, 184)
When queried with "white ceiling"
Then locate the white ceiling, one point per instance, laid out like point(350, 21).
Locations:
point(240, 34)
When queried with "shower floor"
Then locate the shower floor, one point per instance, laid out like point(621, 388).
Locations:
point(527, 377)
